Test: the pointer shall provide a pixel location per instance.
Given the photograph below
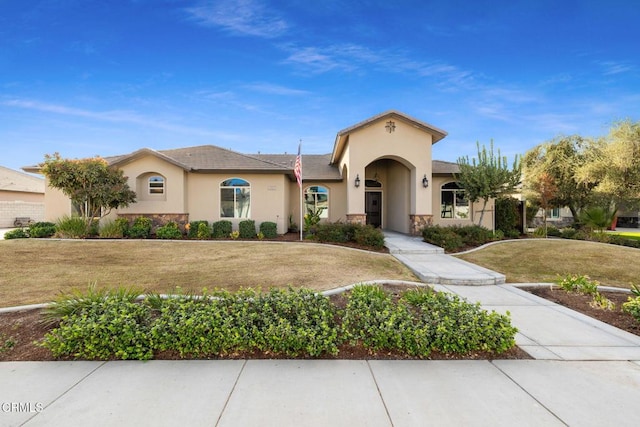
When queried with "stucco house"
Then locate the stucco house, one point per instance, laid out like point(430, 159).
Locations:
point(21, 196)
point(379, 172)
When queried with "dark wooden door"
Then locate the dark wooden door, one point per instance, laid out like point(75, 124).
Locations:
point(373, 207)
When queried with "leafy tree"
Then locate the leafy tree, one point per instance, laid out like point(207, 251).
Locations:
point(488, 176)
point(91, 184)
point(559, 161)
point(546, 189)
point(613, 166)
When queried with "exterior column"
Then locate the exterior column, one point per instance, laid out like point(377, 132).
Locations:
point(418, 222)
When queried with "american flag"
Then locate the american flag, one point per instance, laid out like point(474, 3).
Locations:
point(297, 169)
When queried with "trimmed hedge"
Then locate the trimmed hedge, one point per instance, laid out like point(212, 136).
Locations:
point(294, 323)
point(221, 229)
point(247, 229)
point(269, 230)
point(42, 229)
point(455, 237)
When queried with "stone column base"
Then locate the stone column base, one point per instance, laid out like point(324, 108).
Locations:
point(357, 219)
point(418, 222)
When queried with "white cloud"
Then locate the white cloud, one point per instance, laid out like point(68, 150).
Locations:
point(613, 67)
point(273, 89)
point(112, 116)
point(240, 17)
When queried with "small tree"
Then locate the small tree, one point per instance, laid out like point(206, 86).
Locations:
point(488, 176)
point(546, 189)
point(91, 184)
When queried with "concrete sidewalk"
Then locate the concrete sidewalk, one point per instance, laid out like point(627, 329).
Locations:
point(319, 393)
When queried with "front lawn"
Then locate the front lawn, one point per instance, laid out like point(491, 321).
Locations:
point(36, 271)
point(543, 260)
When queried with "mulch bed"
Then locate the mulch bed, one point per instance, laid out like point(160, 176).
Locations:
point(24, 328)
point(580, 303)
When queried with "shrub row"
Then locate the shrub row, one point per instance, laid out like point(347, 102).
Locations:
point(455, 237)
point(338, 232)
point(291, 323)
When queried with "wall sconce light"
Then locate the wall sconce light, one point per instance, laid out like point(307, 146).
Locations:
point(357, 180)
point(425, 181)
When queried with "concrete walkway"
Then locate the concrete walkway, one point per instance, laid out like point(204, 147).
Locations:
point(584, 373)
point(431, 265)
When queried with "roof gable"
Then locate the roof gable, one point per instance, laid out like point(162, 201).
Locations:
point(343, 136)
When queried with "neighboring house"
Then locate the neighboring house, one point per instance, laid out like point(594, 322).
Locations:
point(380, 172)
point(21, 196)
point(562, 217)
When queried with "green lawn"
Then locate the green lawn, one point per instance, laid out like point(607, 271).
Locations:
point(37, 270)
point(634, 235)
point(543, 260)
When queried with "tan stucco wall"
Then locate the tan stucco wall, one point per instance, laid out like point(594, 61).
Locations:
point(407, 144)
point(56, 204)
point(21, 196)
point(488, 220)
point(337, 200)
point(174, 199)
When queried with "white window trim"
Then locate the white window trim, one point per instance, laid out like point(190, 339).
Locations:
point(221, 187)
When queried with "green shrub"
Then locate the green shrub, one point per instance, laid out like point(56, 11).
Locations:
point(42, 229)
point(632, 306)
point(553, 231)
point(372, 318)
point(512, 234)
point(473, 235)
point(568, 233)
point(141, 228)
point(507, 216)
point(289, 322)
point(204, 231)
point(423, 321)
point(169, 231)
point(221, 229)
point(269, 230)
point(114, 229)
point(247, 229)
point(578, 283)
point(18, 233)
point(194, 230)
point(367, 235)
point(453, 325)
point(110, 328)
point(75, 227)
point(445, 237)
point(336, 232)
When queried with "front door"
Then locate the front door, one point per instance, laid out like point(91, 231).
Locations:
point(373, 208)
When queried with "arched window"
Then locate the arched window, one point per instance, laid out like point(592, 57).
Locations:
point(453, 201)
point(156, 185)
point(316, 198)
point(235, 198)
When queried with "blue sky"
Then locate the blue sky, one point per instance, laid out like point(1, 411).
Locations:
point(84, 77)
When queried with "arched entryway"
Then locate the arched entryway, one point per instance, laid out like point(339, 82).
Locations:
point(388, 194)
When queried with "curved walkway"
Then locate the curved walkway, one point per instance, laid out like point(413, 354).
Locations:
point(432, 265)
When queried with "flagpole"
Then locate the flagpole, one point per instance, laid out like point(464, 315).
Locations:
point(297, 171)
point(301, 201)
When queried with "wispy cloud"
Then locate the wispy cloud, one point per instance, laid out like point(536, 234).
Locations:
point(112, 116)
point(239, 17)
point(273, 89)
point(351, 57)
point(614, 67)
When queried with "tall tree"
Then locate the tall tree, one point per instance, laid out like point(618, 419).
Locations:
point(547, 190)
point(91, 184)
point(488, 176)
point(558, 161)
point(613, 166)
